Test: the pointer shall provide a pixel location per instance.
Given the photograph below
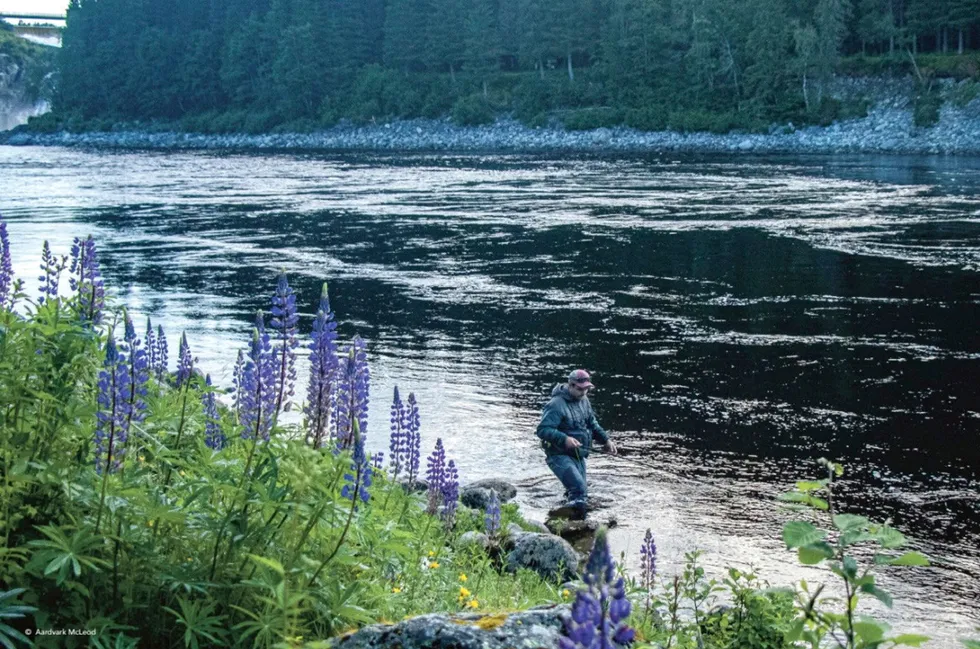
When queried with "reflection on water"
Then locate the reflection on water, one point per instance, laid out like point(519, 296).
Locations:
point(741, 317)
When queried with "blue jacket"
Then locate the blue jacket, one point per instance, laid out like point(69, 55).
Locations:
point(565, 416)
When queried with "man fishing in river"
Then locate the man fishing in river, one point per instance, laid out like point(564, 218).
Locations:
point(568, 426)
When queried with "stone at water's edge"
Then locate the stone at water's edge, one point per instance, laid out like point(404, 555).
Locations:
point(477, 494)
point(550, 556)
point(532, 629)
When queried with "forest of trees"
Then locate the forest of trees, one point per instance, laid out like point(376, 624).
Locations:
point(256, 64)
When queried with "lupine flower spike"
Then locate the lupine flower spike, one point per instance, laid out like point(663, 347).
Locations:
point(213, 436)
point(450, 494)
point(139, 374)
point(258, 397)
point(162, 361)
point(648, 565)
point(283, 323)
point(112, 416)
point(185, 362)
point(323, 372)
point(359, 478)
point(492, 515)
point(598, 615)
point(435, 476)
point(51, 268)
point(6, 269)
point(396, 444)
point(150, 345)
point(413, 440)
point(87, 280)
point(351, 401)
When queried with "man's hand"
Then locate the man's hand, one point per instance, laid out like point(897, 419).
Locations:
point(611, 448)
point(571, 443)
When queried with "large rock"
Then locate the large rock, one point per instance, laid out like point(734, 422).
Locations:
point(477, 494)
point(550, 556)
point(532, 629)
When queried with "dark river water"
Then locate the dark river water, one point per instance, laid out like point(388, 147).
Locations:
point(742, 317)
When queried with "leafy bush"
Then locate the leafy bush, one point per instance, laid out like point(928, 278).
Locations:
point(583, 119)
point(926, 105)
point(473, 110)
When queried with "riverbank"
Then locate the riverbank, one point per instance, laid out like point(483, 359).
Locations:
point(888, 128)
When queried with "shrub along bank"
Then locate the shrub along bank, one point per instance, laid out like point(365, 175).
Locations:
point(138, 509)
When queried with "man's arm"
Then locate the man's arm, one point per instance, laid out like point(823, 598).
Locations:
point(548, 428)
point(597, 430)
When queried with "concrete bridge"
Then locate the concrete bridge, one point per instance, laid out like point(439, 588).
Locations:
point(40, 28)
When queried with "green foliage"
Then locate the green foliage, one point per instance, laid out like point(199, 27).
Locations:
point(251, 545)
point(839, 546)
point(35, 64)
point(926, 105)
point(473, 110)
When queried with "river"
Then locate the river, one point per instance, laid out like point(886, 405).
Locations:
point(741, 316)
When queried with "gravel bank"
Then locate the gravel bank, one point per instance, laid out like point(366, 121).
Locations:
point(888, 128)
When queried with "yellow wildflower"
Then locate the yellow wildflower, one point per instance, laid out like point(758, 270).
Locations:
point(566, 594)
point(434, 565)
point(473, 604)
point(396, 589)
point(462, 576)
point(463, 593)
point(432, 553)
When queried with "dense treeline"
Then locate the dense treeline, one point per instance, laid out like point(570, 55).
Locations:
point(259, 63)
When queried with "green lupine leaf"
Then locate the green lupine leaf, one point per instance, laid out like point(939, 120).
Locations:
point(969, 644)
point(800, 533)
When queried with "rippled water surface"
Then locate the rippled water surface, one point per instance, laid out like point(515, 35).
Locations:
point(742, 317)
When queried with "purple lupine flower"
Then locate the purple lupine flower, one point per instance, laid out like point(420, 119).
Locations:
point(238, 384)
point(112, 416)
point(213, 436)
point(283, 323)
point(450, 494)
point(88, 283)
point(6, 269)
point(413, 439)
point(351, 402)
point(648, 564)
point(435, 476)
point(397, 440)
point(492, 515)
point(150, 345)
point(161, 354)
point(378, 460)
point(323, 372)
point(258, 400)
point(359, 478)
point(139, 374)
point(185, 363)
point(600, 609)
point(51, 268)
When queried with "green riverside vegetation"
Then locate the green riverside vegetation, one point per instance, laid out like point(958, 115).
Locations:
point(136, 508)
point(34, 62)
point(297, 65)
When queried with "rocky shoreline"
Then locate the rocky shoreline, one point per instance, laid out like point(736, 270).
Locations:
point(888, 128)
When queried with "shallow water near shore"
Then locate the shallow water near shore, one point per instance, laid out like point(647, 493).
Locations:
point(741, 317)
